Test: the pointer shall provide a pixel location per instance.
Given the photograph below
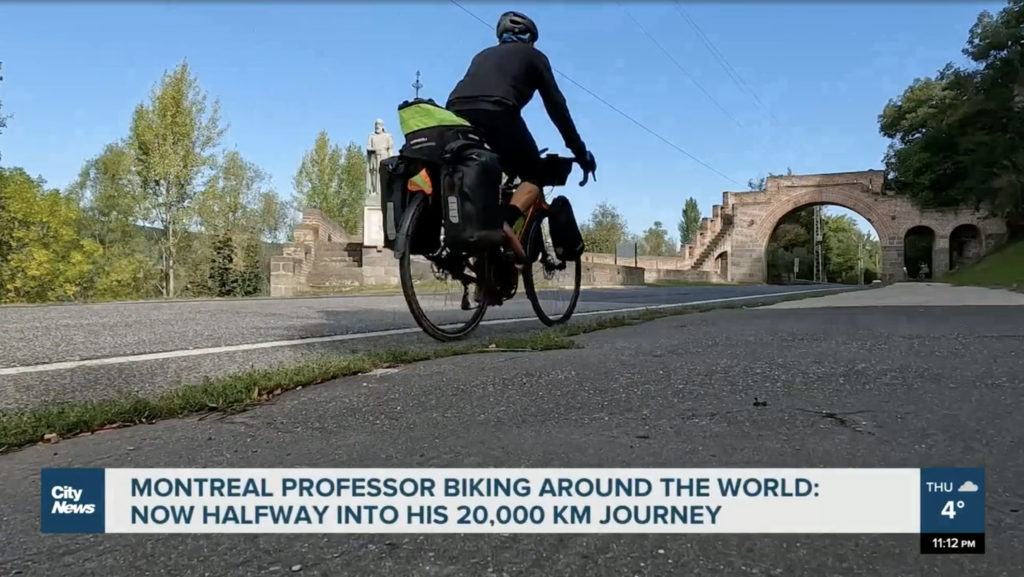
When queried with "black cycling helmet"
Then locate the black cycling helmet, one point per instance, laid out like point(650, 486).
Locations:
point(518, 24)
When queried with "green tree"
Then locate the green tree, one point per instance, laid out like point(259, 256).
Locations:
point(605, 229)
point(841, 239)
point(276, 217)
point(231, 201)
point(789, 235)
point(252, 276)
point(958, 139)
point(871, 257)
point(173, 139)
point(656, 242)
point(318, 181)
point(222, 275)
point(113, 211)
point(791, 240)
point(353, 187)
point(42, 256)
point(689, 223)
point(237, 212)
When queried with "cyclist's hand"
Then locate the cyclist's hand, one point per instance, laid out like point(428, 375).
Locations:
point(589, 165)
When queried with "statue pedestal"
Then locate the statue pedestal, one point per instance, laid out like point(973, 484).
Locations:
point(379, 266)
point(373, 227)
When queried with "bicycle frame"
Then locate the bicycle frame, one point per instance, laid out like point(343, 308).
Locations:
point(538, 209)
point(538, 205)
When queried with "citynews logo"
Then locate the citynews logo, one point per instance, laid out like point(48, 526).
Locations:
point(67, 502)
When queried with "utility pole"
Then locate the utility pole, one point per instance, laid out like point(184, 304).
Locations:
point(417, 85)
point(860, 261)
point(819, 252)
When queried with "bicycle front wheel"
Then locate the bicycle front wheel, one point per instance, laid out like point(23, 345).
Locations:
point(449, 326)
point(552, 286)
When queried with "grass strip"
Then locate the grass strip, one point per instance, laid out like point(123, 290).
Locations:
point(1003, 267)
point(231, 393)
point(241, 391)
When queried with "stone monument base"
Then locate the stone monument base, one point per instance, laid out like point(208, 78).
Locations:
point(373, 226)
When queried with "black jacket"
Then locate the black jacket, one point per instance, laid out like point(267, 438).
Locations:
point(505, 77)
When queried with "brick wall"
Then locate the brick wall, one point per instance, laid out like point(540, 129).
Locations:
point(316, 227)
point(650, 262)
point(755, 215)
point(289, 272)
point(691, 276)
point(597, 275)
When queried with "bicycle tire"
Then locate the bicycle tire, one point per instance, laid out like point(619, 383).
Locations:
point(437, 332)
point(534, 250)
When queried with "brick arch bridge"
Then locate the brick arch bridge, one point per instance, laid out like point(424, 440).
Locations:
point(734, 240)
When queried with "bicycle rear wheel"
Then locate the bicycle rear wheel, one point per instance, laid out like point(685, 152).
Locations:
point(444, 332)
point(546, 283)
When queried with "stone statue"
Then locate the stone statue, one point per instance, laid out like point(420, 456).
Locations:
point(379, 146)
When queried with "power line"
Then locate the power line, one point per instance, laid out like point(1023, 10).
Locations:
point(679, 66)
point(609, 105)
point(722, 61)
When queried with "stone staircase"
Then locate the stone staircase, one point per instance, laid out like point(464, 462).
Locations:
point(336, 264)
point(710, 236)
point(710, 249)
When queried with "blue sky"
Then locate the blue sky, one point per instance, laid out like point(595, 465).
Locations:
point(74, 71)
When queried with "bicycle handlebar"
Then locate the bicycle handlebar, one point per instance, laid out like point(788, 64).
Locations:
point(563, 164)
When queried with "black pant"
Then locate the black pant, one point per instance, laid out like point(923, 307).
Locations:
point(506, 133)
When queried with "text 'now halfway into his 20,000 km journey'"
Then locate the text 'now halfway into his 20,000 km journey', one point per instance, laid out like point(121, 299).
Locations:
point(452, 488)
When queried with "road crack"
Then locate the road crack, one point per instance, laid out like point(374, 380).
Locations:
point(843, 419)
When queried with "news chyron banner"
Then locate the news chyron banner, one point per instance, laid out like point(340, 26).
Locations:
point(946, 507)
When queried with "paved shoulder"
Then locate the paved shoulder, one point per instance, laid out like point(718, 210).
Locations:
point(904, 387)
point(52, 334)
point(96, 352)
point(913, 294)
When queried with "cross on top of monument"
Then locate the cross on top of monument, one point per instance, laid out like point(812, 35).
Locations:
point(417, 84)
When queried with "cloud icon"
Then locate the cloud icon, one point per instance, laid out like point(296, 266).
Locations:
point(968, 487)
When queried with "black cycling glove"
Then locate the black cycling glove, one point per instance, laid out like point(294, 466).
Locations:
point(587, 162)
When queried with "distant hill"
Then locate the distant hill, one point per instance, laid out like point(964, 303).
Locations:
point(155, 234)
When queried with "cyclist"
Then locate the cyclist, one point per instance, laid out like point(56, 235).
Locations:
point(500, 82)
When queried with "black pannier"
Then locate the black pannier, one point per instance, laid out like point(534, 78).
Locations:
point(565, 231)
point(471, 195)
point(402, 177)
point(435, 141)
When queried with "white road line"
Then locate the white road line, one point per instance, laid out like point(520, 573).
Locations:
point(65, 365)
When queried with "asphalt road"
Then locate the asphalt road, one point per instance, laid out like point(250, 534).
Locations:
point(42, 348)
point(917, 387)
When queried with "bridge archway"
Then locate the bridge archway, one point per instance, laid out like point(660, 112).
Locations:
point(966, 244)
point(837, 196)
point(789, 246)
point(722, 264)
point(919, 252)
point(752, 216)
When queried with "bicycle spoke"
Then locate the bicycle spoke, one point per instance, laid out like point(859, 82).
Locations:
point(555, 283)
point(436, 290)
